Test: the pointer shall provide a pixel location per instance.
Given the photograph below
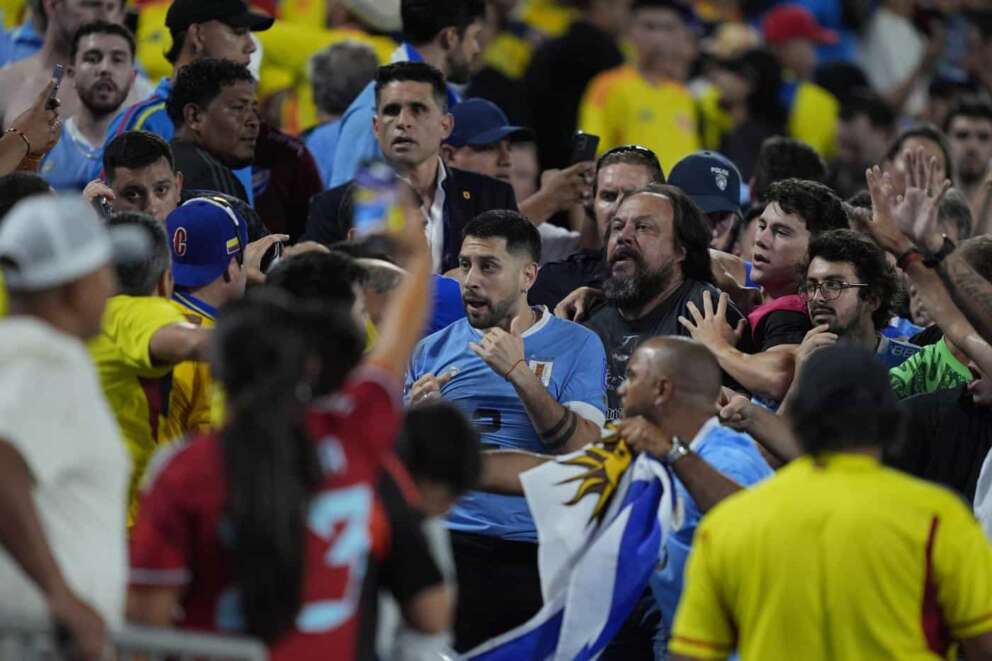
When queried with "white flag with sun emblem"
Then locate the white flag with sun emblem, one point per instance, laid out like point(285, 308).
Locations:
point(602, 518)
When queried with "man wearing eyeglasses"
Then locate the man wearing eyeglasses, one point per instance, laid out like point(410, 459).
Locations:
point(969, 132)
point(848, 291)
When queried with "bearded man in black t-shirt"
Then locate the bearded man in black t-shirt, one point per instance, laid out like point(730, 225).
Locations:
point(658, 262)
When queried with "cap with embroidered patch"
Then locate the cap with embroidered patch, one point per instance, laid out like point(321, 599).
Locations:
point(205, 233)
point(710, 179)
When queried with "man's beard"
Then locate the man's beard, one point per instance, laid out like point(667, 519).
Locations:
point(834, 323)
point(492, 315)
point(459, 69)
point(630, 292)
point(100, 107)
point(971, 176)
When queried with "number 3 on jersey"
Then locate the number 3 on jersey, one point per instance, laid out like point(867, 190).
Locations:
point(340, 517)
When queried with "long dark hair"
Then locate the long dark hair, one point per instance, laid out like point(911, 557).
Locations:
point(271, 354)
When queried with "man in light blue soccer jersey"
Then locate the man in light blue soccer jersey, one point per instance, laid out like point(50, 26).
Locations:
point(529, 381)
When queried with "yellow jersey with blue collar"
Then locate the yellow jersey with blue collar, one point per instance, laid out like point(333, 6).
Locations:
point(137, 389)
point(192, 384)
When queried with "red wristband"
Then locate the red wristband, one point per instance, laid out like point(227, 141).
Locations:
point(908, 257)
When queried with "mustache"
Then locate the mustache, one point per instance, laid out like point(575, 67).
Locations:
point(821, 308)
point(625, 253)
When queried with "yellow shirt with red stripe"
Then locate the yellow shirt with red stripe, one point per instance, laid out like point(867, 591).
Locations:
point(621, 106)
point(192, 384)
point(835, 558)
point(136, 389)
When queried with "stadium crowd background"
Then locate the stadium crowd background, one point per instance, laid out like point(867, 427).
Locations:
point(764, 260)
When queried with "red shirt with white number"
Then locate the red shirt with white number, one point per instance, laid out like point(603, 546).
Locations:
point(181, 539)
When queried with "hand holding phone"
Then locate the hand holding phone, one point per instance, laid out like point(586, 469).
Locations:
point(584, 146)
point(57, 73)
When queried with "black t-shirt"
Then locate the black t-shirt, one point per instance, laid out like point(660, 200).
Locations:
point(781, 327)
point(947, 438)
point(202, 171)
point(556, 280)
point(622, 336)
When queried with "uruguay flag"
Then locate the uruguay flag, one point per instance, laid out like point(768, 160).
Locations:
point(602, 518)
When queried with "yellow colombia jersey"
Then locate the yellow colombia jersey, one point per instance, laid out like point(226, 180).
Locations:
point(621, 106)
point(835, 558)
point(136, 389)
point(192, 386)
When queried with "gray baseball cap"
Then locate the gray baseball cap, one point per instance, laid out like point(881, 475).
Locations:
point(51, 240)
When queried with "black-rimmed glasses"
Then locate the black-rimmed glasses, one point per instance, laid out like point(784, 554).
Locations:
point(830, 290)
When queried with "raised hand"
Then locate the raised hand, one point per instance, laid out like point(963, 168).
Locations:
point(917, 211)
point(881, 225)
point(710, 326)
point(39, 125)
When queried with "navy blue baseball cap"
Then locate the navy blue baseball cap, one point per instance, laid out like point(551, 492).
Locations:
point(710, 179)
point(479, 123)
point(205, 234)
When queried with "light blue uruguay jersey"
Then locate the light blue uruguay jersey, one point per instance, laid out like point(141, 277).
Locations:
point(73, 162)
point(570, 361)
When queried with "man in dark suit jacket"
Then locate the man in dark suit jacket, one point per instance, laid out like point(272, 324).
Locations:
point(411, 121)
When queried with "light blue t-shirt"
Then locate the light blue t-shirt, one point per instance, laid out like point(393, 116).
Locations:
point(736, 456)
point(73, 162)
point(322, 143)
point(570, 361)
point(150, 115)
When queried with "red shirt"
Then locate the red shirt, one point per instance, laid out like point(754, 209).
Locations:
point(179, 537)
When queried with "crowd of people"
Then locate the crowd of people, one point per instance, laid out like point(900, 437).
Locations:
point(291, 300)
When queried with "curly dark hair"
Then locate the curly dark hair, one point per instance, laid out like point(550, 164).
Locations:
point(783, 158)
point(869, 263)
point(813, 202)
point(201, 82)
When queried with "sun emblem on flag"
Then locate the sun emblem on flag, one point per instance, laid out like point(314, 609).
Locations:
point(604, 466)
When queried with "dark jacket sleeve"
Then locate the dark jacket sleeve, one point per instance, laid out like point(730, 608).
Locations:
point(329, 217)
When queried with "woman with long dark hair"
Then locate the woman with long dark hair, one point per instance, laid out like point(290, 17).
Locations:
point(269, 527)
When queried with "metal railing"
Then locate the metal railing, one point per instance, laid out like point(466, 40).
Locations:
point(25, 639)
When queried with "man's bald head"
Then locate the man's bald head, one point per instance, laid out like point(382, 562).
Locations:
point(689, 365)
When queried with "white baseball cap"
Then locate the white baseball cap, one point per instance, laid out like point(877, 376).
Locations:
point(50, 240)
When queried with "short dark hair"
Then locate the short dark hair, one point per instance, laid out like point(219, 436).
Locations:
point(139, 278)
point(136, 149)
point(818, 207)
point(630, 155)
point(785, 158)
point(18, 186)
point(869, 263)
point(520, 234)
point(201, 82)
point(100, 27)
point(970, 106)
point(693, 230)
point(339, 73)
point(843, 400)
point(424, 19)
point(871, 105)
point(417, 72)
point(178, 41)
point(439, 445)
point(925, 132)
point(318, 276)
point(954, 209)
